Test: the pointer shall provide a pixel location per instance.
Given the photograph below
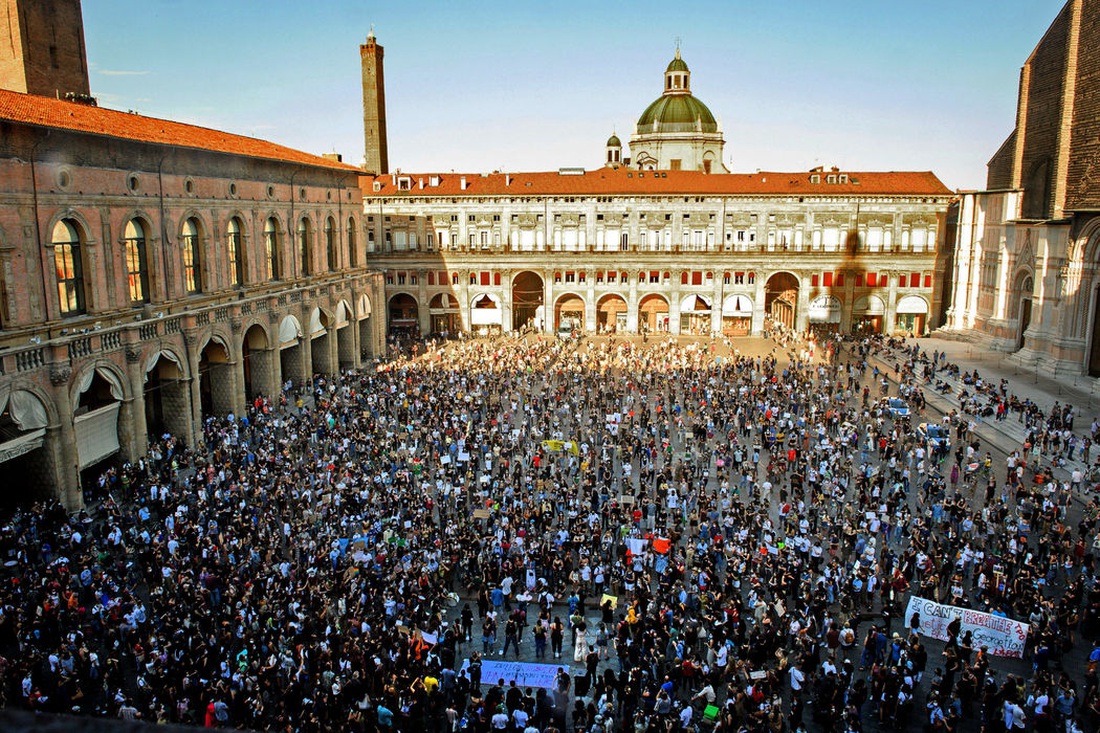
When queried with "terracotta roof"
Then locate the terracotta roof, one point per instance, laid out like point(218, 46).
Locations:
point(609, 181)
point(39, 111)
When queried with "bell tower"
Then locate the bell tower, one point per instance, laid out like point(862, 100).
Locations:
point(42, 48)
point(375, 153)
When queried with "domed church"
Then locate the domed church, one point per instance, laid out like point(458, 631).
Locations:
point(676, 131)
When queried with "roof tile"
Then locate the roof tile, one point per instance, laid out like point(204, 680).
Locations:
point(39, 111)
point(622, 181)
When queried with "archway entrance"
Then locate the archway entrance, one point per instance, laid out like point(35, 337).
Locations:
point(867, 313)
point(320, 347)
point(167, 397)
point(1022, 293)
point(445, 314)
point(527, 301)
point(366, 339)
point(695, 316)
point(912, 314)
point(824, 314)
point(781, 298)
point(486, 315)
point(98, 401)
point(345, 336)
point(290, 351)
point(611, 313)
point(256, 353)
point(23, 460)
point(404, 315)
point(653, 314)
point(569, 310)
point(215, 379)
point(736, 315)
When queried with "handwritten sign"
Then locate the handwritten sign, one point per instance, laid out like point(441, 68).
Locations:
point(1004, 636)
point(524, 673)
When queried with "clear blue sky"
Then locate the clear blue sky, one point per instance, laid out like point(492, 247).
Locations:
point(525, 85)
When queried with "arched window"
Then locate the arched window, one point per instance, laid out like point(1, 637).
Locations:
point(305, 245)
point(191, 245)
point(353, 255)
point(70, 268)
point(330, 244)
point(137, 264)
point(271, 248)
point(234, 244)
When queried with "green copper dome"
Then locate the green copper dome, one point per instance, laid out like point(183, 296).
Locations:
point(676, 113)
point(677, 64)
point(613, 142)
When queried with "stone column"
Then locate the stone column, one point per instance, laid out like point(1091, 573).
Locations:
point(716, 305)
point(132, 412)
point(548, 309)
point(632, 317)
point(506, 301)
point(847, 303)
point(673, 291)
point(590, 304)
point(758, 306)
point(60, 442)
point(802, 316)
point(890, 316)
point(423, 315)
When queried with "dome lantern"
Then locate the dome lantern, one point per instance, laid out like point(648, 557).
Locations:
point(677, 76)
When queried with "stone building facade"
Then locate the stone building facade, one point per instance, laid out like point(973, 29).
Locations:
point(676, 251)
point(1027, 263)
point(154, 273)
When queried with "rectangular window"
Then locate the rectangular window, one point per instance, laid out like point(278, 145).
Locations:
point(815, 280)
point(570, 277)
point(654, 277)
point(496, 278)
point(859, 280)
point(927, 281)
point(696, 278)
point(431, 277)
point(485, 278)
point(914, 280)
point(738, 278)
point(872, 280)
point(840, 279)
point(611, 276)
point(828, 279)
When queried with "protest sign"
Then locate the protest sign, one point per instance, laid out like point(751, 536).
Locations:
point(1004, 636)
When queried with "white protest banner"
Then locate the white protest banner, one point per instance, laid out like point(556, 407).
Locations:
point(524, 673)
point(1003, 636)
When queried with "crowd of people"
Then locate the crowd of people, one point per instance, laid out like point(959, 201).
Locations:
point(698, 538)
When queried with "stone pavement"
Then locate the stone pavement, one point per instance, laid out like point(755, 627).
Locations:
point(1009, 434)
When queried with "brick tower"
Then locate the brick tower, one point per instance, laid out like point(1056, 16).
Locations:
point(376, 156)
point(42, 48)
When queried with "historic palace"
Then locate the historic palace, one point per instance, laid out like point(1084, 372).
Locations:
point(153, 273)
point(664, 239)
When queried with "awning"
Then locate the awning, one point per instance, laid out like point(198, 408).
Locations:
point(694, 303)
point(869, 305)
point(912, 304)
point(22, 444)
point(27, 411)
point(824, 309)
point(735, 306)
point(289, 332)
point(96, 434)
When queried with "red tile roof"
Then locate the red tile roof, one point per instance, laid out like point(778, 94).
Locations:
point(38, 111)
point(608, 181)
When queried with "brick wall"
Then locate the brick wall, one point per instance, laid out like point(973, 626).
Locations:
point(1083, 184)
point(1043, 117)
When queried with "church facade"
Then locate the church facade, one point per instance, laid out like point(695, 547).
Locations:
point(1027, 263)
point(662, 239)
